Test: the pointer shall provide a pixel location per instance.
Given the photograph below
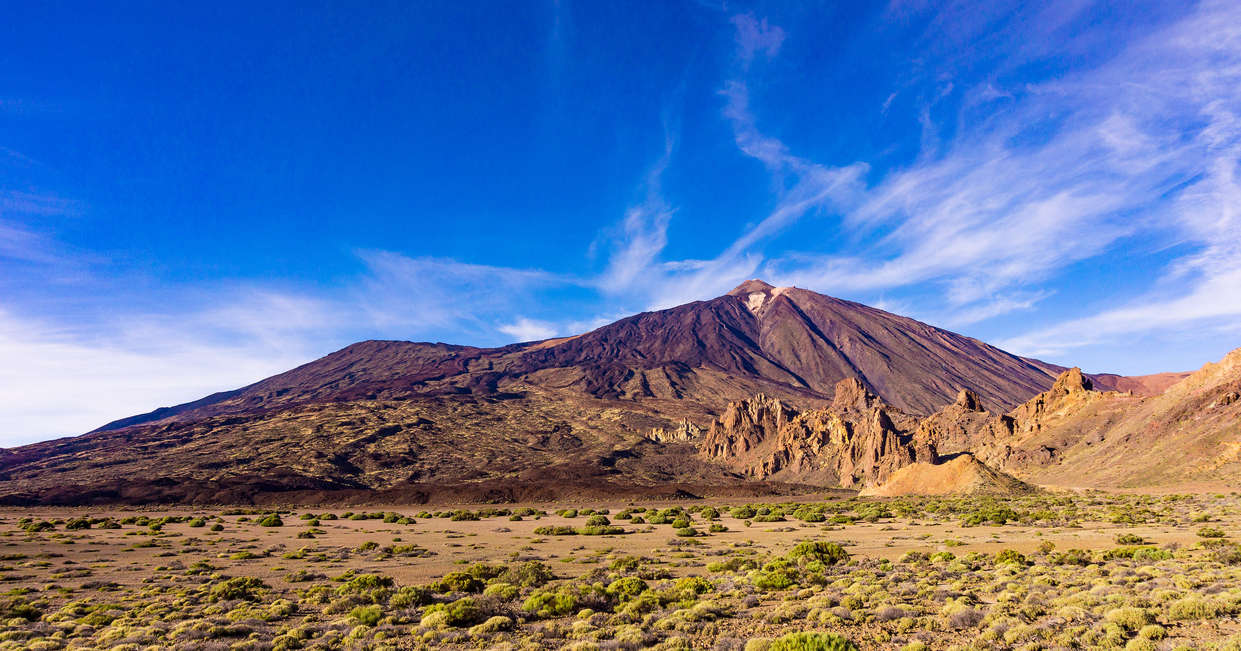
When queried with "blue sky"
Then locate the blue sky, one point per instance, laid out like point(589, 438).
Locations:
point(193, 198)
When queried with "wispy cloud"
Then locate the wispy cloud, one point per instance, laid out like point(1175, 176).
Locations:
point(61, 381)
point(524, 329)
point(644, 233)
point(754, 35)
point(1143, 146)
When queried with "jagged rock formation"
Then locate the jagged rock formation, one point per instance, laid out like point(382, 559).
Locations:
point(684, 432)
point(955, 428)
point(856, 441)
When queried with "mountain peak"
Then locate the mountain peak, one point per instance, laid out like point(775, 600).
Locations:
point(749, 287)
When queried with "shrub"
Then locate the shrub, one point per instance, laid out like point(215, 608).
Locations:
point(530, 574)
point(548, 603)
point(492, 625)
point(1010, 556)
point(1129, 539)
point(272, 520)
point(1210, 532)
point(361, 583)
point(742, 512)
point(997, 515)
point(828, 553)
point(16, 607)
point(502, 591)
point(559, 530)
point(367, 615)
point(1193, 608)
point(462, 612)
point(1226, 554)
point(812, 642)
point(627, 588)
point(598, 521)
point(606, 530)
point(410, 597)
point(1130, 619)
point(244, 588)
point(458, 582)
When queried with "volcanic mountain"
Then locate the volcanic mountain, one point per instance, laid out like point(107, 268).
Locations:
point(612, 409)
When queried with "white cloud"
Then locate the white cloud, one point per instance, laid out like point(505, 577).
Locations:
point(755, 35)
point(524, 329)
point(58, 383)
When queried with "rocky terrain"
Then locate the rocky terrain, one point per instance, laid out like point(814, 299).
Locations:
point(764, 389)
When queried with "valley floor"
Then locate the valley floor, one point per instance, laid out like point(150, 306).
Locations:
point(1052, 570)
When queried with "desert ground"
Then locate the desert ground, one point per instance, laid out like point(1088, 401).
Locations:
point(1049, 570)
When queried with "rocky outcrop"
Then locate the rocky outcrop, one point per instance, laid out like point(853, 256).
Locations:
point(857, 441)
point(955, 428)
point(684, 432)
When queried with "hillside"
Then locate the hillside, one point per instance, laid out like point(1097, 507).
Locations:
point(1074, 435)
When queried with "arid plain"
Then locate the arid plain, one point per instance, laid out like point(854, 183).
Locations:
point(1046, 570)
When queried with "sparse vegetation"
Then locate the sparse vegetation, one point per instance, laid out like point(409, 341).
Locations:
point(902, 573)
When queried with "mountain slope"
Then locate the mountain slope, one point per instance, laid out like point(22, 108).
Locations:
point(785, 342)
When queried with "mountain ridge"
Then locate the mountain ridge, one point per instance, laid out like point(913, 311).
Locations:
point(756, 338)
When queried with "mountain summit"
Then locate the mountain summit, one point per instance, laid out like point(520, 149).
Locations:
point(783, 341)
point(600, 410)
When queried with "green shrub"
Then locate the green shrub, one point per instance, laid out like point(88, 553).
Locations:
point(1010, 556)
point(367, 615)
point(410, 597)
point(458, 582)
point(363, 583)
point(502, 591)
point(530, 574)
point(828, 553)
point(1211, 532)
point(558, 530)
point(244, 588)
point(272, 520)
point(16, 607)
point(997, 515)
point(812, 642)
point(627, 588)
point(742, 512)
point(462, 612)
point(549, 603)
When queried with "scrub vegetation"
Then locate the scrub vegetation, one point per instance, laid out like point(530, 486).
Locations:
point(1052, 570)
